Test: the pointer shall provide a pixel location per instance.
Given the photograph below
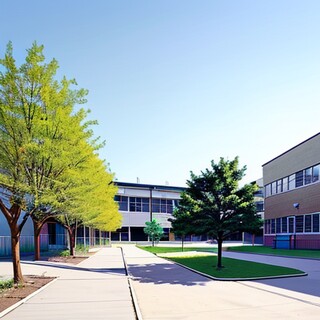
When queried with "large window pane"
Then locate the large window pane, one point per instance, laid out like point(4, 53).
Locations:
point(274, 187)
point(292, 182)
point(299, 223)
point(273, 226)
point(315, 173)
point(279, 186)
point(307, 176)
point(268, 190)
point(285, 184)
point(315, 222)
point(278, 225)
point(307, 223)
point(284, 225)
point(299, 179)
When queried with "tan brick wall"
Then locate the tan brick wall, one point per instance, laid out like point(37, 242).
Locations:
point(281, 205)
point(301, 157)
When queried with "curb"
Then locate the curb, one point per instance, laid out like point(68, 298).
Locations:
point(132, 292)
point(236, 279)
point(17, 304)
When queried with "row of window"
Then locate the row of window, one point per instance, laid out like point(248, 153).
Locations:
point(138, 204)
point(296, 180)
point(299, 224)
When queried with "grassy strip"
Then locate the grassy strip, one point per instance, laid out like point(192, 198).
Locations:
point(277, 252)
point(176, 249)
point(233, 268)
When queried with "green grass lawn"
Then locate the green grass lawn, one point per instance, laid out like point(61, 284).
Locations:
point(277, 252)
point(176, 249)
point(233, 268)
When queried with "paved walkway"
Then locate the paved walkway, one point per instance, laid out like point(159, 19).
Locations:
point(167, 291)
point(97, 288)
point(309, 284)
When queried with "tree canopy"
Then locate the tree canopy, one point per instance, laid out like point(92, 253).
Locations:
point(48, 159)
point(154, 230)
point(213, 203)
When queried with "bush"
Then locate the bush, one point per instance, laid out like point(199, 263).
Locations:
point(6, 284)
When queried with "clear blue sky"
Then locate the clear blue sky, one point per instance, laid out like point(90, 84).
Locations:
point(175, 84)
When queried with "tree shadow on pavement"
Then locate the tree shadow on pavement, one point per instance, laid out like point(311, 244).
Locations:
point(166, 273)
point(118, 271)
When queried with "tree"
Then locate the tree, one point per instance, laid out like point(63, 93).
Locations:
point(181, 223)
point(89, 199)
point(154, 230)
point(36, 127)
point(214, 204)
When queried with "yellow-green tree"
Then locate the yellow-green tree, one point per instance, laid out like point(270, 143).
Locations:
point(42, 140)
point(89, 199)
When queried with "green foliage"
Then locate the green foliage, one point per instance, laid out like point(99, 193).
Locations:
point(214, 204)
point(6, 284)
point(154, 230)
point(64, 253)
point(48, 155)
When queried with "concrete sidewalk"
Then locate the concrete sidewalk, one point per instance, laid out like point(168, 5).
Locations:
point(167, 291)
point(97, 288)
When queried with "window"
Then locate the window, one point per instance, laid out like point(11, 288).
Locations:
point(299, 179)
point(292, 182)
point(315, 222)
point(284, 225)
point(278, 225)
point(315, 173)
point(163, 205)
point(291, 224)
point(279, 186)
point(299, 223)
point(267, 227)
point(123, 202)
point(139, 204)
point(307, 223)
point(268, 190)
point(273, 225)
point(259, 206)
point(285, 184)
point(274, 187)
point(308, 176)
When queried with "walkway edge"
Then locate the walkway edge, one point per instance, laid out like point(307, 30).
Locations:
point(132, 292)
point(19, 303)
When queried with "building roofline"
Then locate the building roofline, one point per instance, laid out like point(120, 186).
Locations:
point(291, 149)
point(148, 186)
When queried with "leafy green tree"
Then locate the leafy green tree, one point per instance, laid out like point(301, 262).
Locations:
point(154, 231)
point(214, 204)
point(36, 131)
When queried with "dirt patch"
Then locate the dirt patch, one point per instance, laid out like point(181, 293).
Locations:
point(73, 260)
point(10, 296)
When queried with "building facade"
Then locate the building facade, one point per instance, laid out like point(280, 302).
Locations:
point(292, 197)
point(139, 203)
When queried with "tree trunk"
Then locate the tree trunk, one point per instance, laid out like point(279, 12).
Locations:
point(182, 242)
point(36, 232)
point(15, 247)
point(72, 241)
point(219, 265)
